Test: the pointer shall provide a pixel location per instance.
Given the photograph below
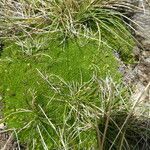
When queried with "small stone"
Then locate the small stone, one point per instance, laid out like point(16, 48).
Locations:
point(2, 126)
point(147, 60)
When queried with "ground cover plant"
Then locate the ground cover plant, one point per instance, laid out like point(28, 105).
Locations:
point(60, 81)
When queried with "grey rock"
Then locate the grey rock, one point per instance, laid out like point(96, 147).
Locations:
point(141, 72)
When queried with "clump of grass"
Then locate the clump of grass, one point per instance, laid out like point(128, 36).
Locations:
point(96, 114)
point(88, 19)
point(70, 111)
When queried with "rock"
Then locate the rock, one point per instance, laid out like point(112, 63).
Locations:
point(147, 60)
point(141, 71)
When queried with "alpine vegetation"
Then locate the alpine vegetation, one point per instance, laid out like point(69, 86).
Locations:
point(60, 83)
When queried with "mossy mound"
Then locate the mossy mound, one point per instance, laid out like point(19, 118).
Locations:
point(23, 75)
point(42, 84)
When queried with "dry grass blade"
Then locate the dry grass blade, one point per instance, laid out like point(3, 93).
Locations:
point(130, 113)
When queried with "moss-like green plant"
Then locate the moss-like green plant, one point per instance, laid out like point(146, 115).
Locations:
point(44, 91)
